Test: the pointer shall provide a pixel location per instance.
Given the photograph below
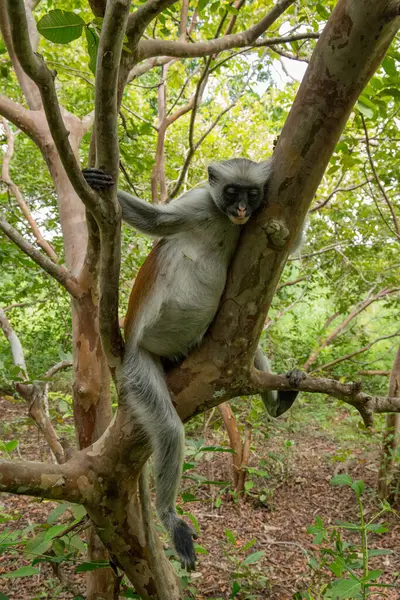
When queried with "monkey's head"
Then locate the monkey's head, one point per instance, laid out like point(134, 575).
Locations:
point(238, 187)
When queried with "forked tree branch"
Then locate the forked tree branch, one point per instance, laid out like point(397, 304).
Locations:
point(149, 48)
point(35, 67)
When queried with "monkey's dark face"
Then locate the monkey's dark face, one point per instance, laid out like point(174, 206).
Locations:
point(240, 200)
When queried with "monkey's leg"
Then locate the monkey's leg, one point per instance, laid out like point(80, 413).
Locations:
point(275, 402)
point(146, 395)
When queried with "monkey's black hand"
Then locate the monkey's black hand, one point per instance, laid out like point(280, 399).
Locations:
point(295, 377)
point(97, 179)
point(183, 536)
point(286, 398)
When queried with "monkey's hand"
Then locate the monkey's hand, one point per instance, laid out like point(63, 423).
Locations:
point(183, 536)
point(295, 377)
point(97, 179)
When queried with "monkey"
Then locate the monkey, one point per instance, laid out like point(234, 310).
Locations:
point(174, 299)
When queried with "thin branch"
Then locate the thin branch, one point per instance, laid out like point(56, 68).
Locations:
point(292, 282)
point(35, 67)
point(285, 39)
point(28, 87)
point(378, 181)
point(183, 20)
point(373, 373)
point(60, 366)
point(149, 48)
point(355, 353)
point(290, 56)
point(15, 344)
point(16, 192)
point(158, 171)
point(337, 190)
point(360, 307)
point(59, 272)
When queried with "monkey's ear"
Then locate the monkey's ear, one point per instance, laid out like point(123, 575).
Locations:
point(213, 175)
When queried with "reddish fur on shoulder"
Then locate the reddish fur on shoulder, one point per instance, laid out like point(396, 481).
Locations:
point(141, 288)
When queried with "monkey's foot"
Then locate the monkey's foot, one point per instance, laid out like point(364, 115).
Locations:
point(97, 179)
point(182, 536)
point(295, 377)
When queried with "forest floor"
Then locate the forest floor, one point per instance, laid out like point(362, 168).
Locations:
point(291, 464)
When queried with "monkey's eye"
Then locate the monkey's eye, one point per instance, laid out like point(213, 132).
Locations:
point(253, 193)
point(231, 191)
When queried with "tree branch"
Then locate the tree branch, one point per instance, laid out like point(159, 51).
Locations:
point(350, 393)
point(28, 87)
point(35, 67)
point(139, 20)
point(59, 272)
point(361, 306)
point(355, 353)
point(107, 157)
point(149, 48)
point(378, 181)
point(15, 191)
point(43, 480)
point(337, 190)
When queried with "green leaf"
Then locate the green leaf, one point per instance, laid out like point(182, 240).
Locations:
point(379, 552)
point(358, 487)
point(377, 528)
point(21, 572)
point(253, 558)
point(56, 513)
point(341, 479)
point(60, 26)
point(344, 588)
point(235, 589)
point(78, 511)
point(216, 449)
point(364, 110)
point(187, 497)
point(92, 39)
point(54, 531)
point(202, 4)
point(10, 446)
point(229, 536)
point(372, 575)
point(92, 566)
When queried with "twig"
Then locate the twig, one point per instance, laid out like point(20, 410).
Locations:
point(378, 181)
point(59, 272)
point(14, 189)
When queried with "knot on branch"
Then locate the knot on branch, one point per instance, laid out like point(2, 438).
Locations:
point(355, 387)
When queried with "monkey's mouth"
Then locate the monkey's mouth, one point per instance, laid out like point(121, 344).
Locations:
point(239, 220)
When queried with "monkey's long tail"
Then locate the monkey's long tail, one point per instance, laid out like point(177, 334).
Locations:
point(146, 395)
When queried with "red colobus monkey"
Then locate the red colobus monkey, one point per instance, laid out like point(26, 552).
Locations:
point(173, 301)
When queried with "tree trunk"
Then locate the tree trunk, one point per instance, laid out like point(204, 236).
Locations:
point(391, 438)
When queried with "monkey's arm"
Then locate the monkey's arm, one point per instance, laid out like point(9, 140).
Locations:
point(153, 220)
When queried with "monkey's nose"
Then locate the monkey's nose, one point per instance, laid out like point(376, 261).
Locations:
point(241, 212)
